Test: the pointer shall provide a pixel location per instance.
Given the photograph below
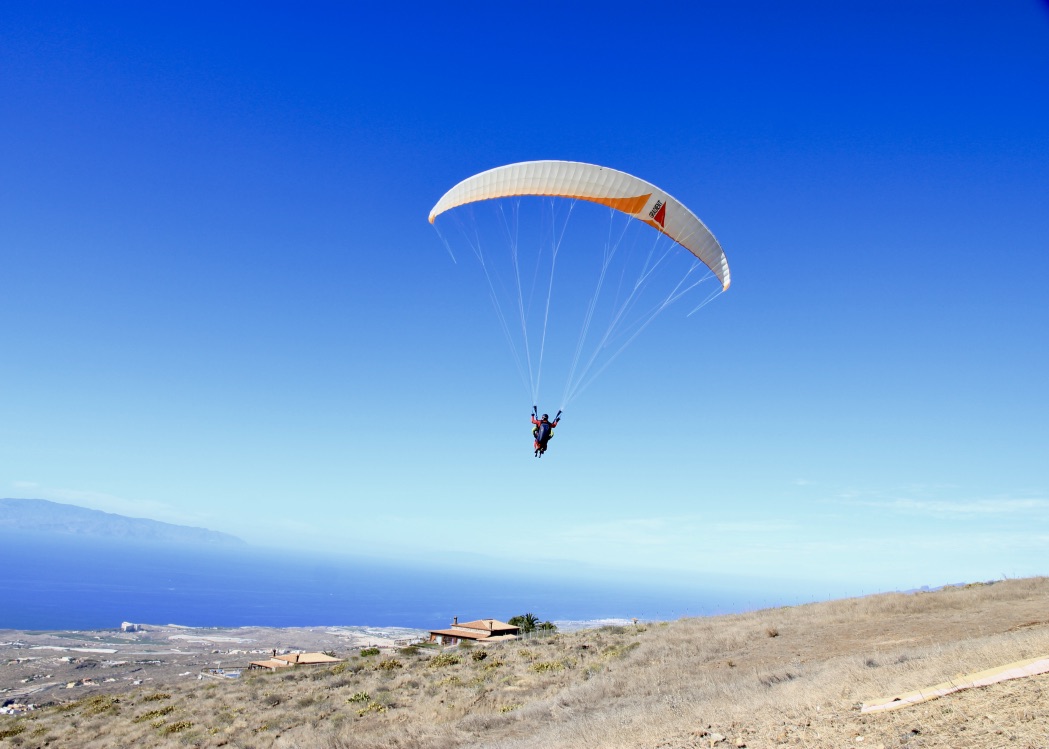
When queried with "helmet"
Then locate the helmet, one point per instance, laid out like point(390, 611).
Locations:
point(545, 417)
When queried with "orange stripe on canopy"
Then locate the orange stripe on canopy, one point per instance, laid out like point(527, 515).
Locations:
point(626, 205)
point(595, 184)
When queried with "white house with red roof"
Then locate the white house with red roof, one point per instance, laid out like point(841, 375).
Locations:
point(482, 630)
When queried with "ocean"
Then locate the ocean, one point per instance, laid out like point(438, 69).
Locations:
point(53, 582)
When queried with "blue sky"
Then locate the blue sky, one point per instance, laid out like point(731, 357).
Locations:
point(221, 303)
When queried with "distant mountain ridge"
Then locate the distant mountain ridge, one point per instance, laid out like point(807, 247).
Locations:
point(44, 516)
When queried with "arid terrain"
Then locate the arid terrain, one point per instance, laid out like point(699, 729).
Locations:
point(41, 667)
point(786, 677)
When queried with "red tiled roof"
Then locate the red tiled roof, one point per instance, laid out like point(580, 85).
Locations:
point(489, 625)
point(310, 658)
point(480, 629)
point(271, 663)
point(464, 634)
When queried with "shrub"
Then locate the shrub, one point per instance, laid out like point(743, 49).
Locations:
point(101, 704)
point(359, 697)
point(546, 666)
point(8, 733)
point(372, 707)
point(618, 651)
point(154, 714)
point(178, 727)
point(369, 651)
point(444, 659)
point(388, 665)
point(156, 697)
point(479, 655)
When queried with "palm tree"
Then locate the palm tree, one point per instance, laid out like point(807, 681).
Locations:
point(526, 622)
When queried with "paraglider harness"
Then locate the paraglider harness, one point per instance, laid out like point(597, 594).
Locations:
point(543, 431)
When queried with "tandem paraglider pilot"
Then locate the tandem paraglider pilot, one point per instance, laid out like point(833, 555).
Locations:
point(543, 430)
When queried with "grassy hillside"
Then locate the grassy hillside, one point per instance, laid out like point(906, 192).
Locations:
point(780, 677)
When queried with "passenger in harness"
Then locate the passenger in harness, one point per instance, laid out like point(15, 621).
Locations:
point(543, 430)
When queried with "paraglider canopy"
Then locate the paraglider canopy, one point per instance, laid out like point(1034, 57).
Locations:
point(618, 190)
point(633, 251)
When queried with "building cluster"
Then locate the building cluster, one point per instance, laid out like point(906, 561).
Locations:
point(17, 708)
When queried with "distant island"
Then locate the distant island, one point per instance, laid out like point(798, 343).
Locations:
point(44, 516)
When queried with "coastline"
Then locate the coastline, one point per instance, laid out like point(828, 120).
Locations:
point(39, 662)
point(797, 675)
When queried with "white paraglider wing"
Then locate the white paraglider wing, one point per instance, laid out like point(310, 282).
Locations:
point(618, 190)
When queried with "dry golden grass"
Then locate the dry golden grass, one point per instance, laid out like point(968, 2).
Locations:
point(781, 677)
